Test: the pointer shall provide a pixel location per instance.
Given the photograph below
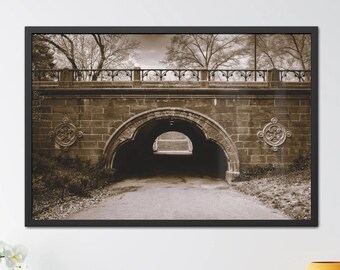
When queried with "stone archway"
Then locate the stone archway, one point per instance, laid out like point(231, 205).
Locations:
point(210, 128)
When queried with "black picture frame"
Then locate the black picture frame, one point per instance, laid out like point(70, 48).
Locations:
point(30, 222)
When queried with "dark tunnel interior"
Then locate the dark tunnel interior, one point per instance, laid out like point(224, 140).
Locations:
point(137, 158)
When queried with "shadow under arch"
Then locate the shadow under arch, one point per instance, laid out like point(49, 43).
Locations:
point(209, 127)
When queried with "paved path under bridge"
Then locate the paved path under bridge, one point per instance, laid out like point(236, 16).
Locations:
point(176, 198)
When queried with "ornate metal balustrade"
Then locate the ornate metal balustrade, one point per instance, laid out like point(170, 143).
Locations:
point(46, 75)
point(103, 75)
point(294, 75)
point(160, 75)
point(170, 74)
point(237, 75)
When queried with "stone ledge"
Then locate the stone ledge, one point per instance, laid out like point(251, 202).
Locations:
point(150, 92)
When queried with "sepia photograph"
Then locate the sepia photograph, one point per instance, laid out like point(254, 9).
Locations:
point(171, 126)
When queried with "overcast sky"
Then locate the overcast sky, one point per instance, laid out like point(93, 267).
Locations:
point(151, 50)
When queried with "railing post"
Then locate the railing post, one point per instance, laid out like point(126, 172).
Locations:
point(66, 78)
point(273, 78)
point(204, 78)
point(136, 78)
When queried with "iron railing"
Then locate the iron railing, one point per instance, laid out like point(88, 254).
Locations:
point(103, 75)
point(125, 75)
point(170, 74)
point(291, 75)
point(46, 75)
point(238, 75)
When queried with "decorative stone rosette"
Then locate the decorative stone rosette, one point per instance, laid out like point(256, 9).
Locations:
point(65, 134)
point(274, 134)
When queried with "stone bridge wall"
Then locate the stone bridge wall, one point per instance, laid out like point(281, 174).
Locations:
point(95, 115)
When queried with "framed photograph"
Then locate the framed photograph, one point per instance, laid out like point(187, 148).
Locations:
point(171, 126)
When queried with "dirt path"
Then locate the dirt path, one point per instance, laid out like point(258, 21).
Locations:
point(177, 198)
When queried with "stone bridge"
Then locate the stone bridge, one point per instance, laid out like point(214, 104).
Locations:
point(234, 122)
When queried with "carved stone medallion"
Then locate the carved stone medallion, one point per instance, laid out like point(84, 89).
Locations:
point(65, 134)
point(274, 134)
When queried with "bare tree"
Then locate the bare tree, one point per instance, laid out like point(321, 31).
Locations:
point(95, 51)
point(280, 51)
point(298, 48)
point(205, 51)
point(268, 51)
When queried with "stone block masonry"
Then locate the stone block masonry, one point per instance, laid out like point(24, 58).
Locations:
point(96, 115)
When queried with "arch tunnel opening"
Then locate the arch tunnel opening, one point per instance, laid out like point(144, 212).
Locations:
point(194, 155)
point(172, 143)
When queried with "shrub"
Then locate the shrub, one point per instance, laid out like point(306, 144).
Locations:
point(76, 188)
point(41, 164)
point(100, 174)
point(301, 163)
point(73, 163)
point(62, 175)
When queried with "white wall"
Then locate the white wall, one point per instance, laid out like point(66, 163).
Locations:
point(168, 248)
